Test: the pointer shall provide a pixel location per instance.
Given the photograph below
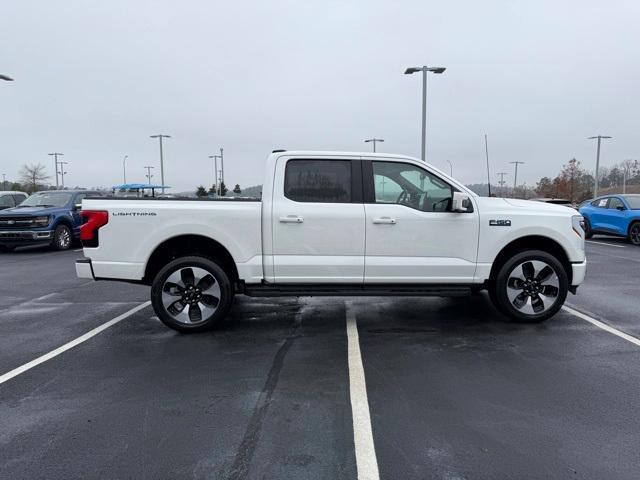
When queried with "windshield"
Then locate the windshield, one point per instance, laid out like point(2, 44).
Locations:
point(634, 202)
point(47, 200)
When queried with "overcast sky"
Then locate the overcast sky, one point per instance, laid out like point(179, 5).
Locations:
point(95, 79)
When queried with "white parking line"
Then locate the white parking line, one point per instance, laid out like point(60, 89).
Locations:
point(607, 244)
point(366, 461)
point(83, 338)
point(602, 325)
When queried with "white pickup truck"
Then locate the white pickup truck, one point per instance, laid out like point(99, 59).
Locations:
point(334, 223)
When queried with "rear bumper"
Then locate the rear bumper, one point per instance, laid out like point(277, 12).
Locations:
point(579, 270)
point(84, 268)
point(25, 237)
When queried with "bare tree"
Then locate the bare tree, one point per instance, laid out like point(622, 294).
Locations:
point(32, 176)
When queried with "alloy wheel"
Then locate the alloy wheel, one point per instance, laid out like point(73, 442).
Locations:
point(191, 295)
point(533, 287)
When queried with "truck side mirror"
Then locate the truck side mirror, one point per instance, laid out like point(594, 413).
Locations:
point(77, 206)
point(461, 203)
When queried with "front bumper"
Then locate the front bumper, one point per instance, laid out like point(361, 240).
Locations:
point(84, 268)
point(579, 270)
point(25, 237)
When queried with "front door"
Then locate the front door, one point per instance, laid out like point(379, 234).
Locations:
point(412, 236)
point(318, 221)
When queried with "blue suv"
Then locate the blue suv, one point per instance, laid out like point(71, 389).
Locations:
point(50, 217)
point(613, 215)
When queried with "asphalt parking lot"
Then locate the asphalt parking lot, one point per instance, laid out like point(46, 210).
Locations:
point(452, 389)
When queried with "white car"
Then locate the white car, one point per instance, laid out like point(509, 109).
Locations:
point(337, 224)
point(10, 199)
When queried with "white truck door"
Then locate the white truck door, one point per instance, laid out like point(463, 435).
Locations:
point(412, 236)
point(318, 221)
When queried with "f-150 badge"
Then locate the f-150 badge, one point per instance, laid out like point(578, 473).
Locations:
point(500, 223)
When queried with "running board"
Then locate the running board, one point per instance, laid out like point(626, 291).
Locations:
point(329, 290)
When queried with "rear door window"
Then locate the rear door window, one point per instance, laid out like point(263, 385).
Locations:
point(615, 202)
point(321, 181)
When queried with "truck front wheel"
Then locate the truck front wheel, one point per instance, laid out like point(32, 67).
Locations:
point(530, 287)
point(191, 294)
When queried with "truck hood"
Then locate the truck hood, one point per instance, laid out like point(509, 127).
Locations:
point(27, 211)
point(487, 204)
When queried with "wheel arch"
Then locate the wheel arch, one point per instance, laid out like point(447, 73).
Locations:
point(532, 242)
point(189, 245)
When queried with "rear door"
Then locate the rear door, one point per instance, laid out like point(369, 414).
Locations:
point(318, 221)
point(412, 236)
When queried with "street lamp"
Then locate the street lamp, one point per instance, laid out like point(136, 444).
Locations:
point(124, 168)
point(63, 172)
point(56, 155)
point(599, 137)
point(148, 175)
point(450, 167)
point(6, 78)
point(160, 136)
point(374, 140)
point(424, 69)
point(215, 172)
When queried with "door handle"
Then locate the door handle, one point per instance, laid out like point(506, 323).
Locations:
point(291, 219)
point(385, 220)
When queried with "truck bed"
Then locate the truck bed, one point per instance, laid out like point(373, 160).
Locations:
point(137, 227)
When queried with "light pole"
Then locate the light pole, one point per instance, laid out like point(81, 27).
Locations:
point(148, 175)
point(55, 156)
point(160, 136)
point(450, 168)
point(486, 151)
point(597, 180)
point(221, 169)
point(515, 177)
point(424, 69)
point(215, 172)
point(124, 168)
point(502, 182)
point(62, 171)
point(374, 140)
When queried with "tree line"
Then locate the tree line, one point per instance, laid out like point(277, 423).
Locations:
point(576, 183)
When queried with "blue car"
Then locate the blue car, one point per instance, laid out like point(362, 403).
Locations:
point(45, 218)
point(613, 215)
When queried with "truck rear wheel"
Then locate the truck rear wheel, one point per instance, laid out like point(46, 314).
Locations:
point(191, 294)
point(530, 287)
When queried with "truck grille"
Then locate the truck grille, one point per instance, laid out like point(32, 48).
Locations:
point(15, 222)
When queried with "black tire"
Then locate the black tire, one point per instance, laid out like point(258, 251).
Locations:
point(62, 238)
point(588, 233)
point(190, 292)
point(539, 292)
point(634, 233)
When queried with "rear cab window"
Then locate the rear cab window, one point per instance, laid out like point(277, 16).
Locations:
point(319, 181)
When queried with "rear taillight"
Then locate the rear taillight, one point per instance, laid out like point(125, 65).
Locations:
point(92, 221)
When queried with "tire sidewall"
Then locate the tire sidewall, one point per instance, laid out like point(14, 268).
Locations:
point(500, 293)
point(587, 228)
point(56, 234)
point(226, 293)
point(635, 224)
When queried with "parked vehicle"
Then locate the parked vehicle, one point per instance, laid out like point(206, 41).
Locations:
point(10, 199)
point(337, 224)
point(49, 217)
point(617, 215)
point(556, 201)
